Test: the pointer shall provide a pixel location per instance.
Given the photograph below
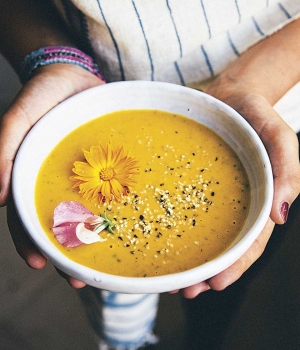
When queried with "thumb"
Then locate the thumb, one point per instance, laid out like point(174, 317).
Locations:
point(284, 155)
point(14, 127)
point(33, 101)
point(281, 143)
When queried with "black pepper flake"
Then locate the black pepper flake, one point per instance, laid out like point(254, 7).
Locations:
point(141, 217)
point(179, 236)
point(194, 222)
point(159, 235)
point(120, 238)
point(212, 193)
point(132, 252)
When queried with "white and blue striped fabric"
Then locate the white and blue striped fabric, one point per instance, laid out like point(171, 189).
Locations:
point(121, 321)
point(184, 42)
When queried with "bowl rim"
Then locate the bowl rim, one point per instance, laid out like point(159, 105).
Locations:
point(155, 284)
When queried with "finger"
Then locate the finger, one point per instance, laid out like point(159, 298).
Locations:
point(24, 246)
point(286, 171)
point(5, 176)
point(174, 291)
point(73, 282)
point(235, 271)
point(193, 291)
point(14, 127)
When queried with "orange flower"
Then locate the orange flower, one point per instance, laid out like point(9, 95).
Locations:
point(107, 173)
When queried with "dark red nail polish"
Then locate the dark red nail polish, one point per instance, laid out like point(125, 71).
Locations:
point(284, 211)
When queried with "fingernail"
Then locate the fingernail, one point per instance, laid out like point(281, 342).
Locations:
point(284, 211)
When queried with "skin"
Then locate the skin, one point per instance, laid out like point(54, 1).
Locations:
point(251, 85)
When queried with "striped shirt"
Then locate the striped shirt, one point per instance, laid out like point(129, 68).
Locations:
point(182, 42)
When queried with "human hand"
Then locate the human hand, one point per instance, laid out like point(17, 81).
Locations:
point(282, 146)
point(50, 85)
point(252, 84)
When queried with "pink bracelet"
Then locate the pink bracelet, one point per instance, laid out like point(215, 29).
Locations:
point(56, 54)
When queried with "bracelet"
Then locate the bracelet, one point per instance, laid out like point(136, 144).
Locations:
point(56, 54)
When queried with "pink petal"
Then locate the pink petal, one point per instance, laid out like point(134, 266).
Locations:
point(66, 235)
point(70, 211)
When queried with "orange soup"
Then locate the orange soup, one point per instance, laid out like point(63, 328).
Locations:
point(189, 202)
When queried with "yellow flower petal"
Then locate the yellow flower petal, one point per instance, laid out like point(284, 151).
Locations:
point(106, 190)
point(116, 188)
point(84, 170)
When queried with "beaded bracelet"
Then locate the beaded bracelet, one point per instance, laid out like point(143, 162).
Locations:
point(56, 54)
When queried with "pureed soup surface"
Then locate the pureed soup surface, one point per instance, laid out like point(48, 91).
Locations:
point(189, 203)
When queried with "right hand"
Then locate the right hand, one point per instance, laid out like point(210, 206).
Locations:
point(48, 87)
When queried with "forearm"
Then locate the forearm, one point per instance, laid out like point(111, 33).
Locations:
point(270, 68)
point(27, 25)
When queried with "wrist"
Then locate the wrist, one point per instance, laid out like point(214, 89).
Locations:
point(66, 79)
point(270, 68)
point(56, 54)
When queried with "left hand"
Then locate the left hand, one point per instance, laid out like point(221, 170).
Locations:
point(282, 146)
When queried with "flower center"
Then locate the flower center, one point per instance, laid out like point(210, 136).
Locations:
point(106, 174)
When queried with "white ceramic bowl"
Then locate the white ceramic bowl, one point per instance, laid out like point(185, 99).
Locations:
point(104, 99)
